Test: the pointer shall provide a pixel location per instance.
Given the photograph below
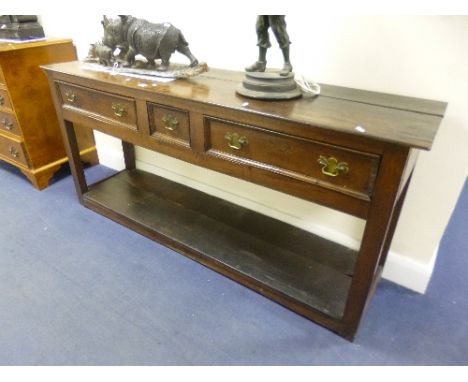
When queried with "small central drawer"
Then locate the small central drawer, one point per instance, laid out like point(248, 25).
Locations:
point(100, 104)
point(169, 125)
point(4, 99)
point(338, 168)
point(12, 149)
point(9, 123)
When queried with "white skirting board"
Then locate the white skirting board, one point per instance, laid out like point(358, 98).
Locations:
point(408, 272)
point(399, 268)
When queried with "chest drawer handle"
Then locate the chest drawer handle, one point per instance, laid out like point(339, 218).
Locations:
point(70, 96)
point(170, 122)
point(118, 109)
point(8, 124)
point(2, 100)
point(331, 166)
point(13, 152)
point(235, 141)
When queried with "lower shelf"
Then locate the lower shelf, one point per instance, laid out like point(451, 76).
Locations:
point(270, 256)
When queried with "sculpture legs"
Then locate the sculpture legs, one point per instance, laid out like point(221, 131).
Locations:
point(186, 52)
point(260, 64)
point(287, 67)
point(130, 57)
point(164, 65)
point(166, 55)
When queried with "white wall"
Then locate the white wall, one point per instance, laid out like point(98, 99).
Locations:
point(421, 56)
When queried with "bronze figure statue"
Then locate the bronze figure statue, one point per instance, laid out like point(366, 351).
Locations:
point(276, 84)
point(278, 24)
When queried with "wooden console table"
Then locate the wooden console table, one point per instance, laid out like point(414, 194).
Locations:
point(347, 149)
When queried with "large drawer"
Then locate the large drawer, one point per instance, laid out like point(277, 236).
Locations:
point(12, 149)
point(4, 99)
point(341, 169)
point(9, 123)
point(101, 105)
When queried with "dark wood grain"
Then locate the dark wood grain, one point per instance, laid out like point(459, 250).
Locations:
point(103, 104)
point(292, 157)
point(129, 155)
point(74, 157)
point(267, 250)
point(179, 134)
point(309, 184)
point(309, 190)
point(393, 101)
point(400, 125)
point(377, 234)
point(320, 280)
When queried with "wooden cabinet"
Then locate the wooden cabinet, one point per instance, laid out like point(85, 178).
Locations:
point(347, 149)
point(30, 137)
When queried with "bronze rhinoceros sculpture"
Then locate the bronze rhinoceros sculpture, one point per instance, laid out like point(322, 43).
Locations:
point(153, 41)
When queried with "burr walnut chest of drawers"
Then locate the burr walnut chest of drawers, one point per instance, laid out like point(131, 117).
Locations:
point(347, 149)
point(30, 137)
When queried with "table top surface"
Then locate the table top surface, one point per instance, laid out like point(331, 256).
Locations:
point(392, 118)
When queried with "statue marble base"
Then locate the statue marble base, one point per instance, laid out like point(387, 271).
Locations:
point(269, 85)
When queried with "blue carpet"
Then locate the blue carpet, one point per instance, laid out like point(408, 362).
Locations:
point(79, 289)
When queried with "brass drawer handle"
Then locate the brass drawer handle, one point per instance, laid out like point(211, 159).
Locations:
point(13, 152)
point(70, 96)
point(235, 141)
point(332, 167)
point(118, 109)
point(8, 124)
point(170, 122)
point(2, 100)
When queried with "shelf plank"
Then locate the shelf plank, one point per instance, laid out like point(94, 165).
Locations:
point(303, 267)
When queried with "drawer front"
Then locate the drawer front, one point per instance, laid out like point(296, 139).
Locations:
point(102, 105)
point(169, 125)
point(4, 99)
point(2, 78)
point(333, 167)
point(9, 123)
point(12, 150)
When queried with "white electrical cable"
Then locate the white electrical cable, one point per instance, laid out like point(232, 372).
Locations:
point(308, 87)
